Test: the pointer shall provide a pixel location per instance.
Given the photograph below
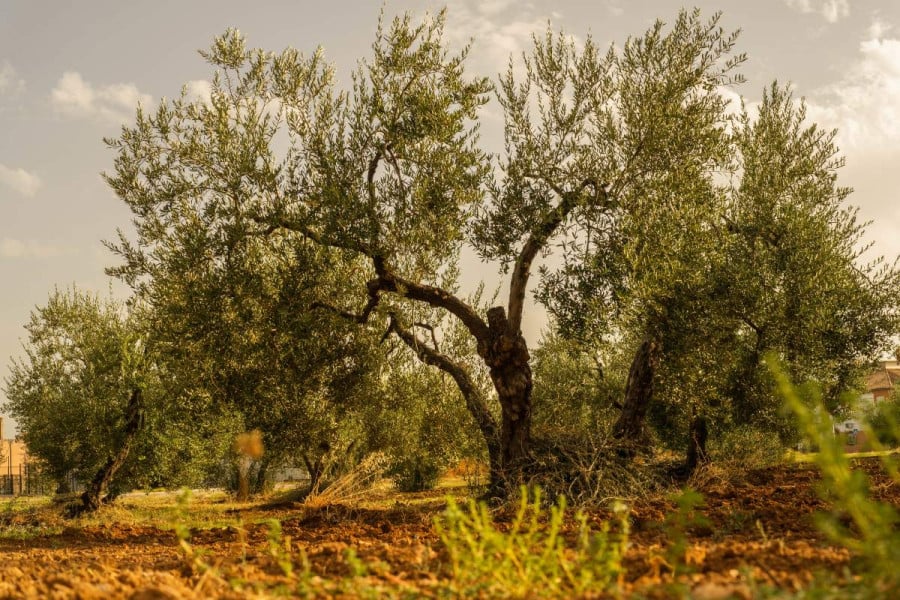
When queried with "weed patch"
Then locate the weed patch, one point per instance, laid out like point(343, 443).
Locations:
point(534, 555)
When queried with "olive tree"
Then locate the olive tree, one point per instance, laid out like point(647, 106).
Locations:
point(388, 175)
point(235, 336)
point(78, 392)
point(762, 256)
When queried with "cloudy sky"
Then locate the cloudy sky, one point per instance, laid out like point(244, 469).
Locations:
point(72, 73)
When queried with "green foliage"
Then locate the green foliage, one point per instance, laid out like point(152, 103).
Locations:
point(230, 297)
point(280, 548)
point(718, 273)
point(677, 524)
point(800, 286)
point(741, 448)
point(533, 556)
point(884, 421)
point(194, 557)
point(574, 389)
point(436, 429)
point(415, 473)
point(864, 525)
point(20, 520)
point(82, 358)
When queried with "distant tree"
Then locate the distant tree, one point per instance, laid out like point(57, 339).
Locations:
point(759, 256)
point(575, 393)
point(799, 286)
point(78, 392)
point(389, 177)
point(884, 419)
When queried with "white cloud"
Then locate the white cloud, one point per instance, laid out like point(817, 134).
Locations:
point(20, 180)
point(13, 248)
point(732, 97)
point(865, 104)
point(490, 8)
point(831, 10)
point(10, 82)
point(878, 29)
point(615, 7)
point(116, 103)
point(498, 28)
point(199, 90)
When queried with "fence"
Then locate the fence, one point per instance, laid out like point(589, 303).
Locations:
point(26, 480)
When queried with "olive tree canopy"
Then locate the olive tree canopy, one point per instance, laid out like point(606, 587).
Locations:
point(387, 176)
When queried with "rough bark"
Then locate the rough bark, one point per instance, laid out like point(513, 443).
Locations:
point(93, 496)
point(389, 281)
point(630, 428)
point(696, 453)
point(505, 350)
point(316, 470)
point(259, 481)
point(506, 354)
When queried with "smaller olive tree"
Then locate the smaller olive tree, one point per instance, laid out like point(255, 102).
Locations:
point(78, 393)
point(577, 391)
point(765, 260)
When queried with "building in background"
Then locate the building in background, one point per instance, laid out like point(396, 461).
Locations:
point(881, 382)
point(880, 385)
point(16, 470)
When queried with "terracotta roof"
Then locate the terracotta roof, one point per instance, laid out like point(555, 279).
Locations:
point(883, 379)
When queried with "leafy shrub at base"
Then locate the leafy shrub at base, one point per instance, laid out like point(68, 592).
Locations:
point(415, 473)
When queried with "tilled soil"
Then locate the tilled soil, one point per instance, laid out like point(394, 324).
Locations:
point(759, 532)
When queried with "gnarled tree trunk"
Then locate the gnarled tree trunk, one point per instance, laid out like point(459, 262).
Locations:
point(316, 469)
point(696, 453)
point(506, 354)
point(475, 403)
point(92, 497)
point(630, 428)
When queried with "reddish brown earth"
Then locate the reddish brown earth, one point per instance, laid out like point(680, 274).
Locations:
point(760, 534)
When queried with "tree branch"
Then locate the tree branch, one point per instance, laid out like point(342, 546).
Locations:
point(389, 281)
point(363, 317)
point(273, 223)
point(392, 159)
point(537, 240)
point(474, 402)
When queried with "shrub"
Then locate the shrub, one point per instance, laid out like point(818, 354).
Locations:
point(415, 473)
point(588, 471)
point(746, 447)
point(531, 557)
point(884, 419)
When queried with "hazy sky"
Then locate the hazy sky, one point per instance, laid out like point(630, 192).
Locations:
point(72, 73)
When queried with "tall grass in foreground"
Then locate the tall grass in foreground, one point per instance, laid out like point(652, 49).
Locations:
point(533, 556)
point(865, 526)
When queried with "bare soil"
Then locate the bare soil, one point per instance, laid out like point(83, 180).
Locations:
point(760, 534)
